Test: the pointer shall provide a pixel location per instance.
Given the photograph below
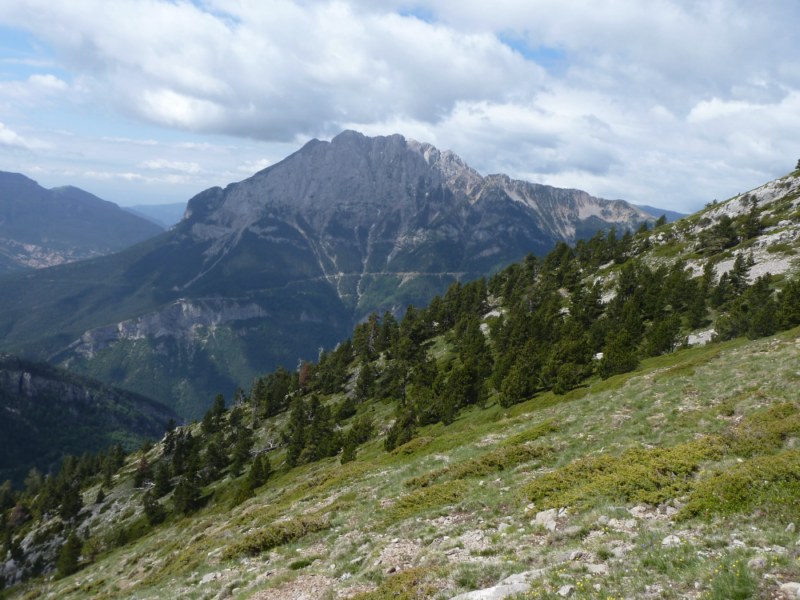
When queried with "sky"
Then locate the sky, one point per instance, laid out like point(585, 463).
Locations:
point(670, 103)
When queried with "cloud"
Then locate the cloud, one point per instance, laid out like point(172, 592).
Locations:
point(11, 139)
point(37, 89)
point(253, 166)
point(273, 70)
point(669, 101)
point(161, 164)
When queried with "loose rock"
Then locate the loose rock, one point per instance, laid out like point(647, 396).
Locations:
point(565, 591)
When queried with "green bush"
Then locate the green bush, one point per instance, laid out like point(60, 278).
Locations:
point(532, 434)
point(408, 585)
point(768, 483)
point(764, 431)
point(637, 475)
point(441, 494)
point(496, 460)
point(276, 535)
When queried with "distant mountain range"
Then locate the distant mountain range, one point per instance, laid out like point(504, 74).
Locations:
point(163, 215)
point(46, 412)
point(266, 271)
point(42, 228)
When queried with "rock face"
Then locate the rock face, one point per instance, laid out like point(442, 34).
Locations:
point(270, 269)
point(47, 412)
point(375, 212)
point(41, 227)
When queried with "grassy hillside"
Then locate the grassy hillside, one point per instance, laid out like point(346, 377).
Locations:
point(678, 448)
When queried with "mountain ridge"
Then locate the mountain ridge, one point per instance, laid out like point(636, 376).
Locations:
point(44, 227)
point(49, 412)
point(320, 240)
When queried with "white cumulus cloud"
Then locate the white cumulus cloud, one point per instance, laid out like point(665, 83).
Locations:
point(669, 102)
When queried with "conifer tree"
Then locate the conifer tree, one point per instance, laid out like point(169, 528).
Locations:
point(153, 509)
point(349, 448)
point(295, 433)
point(241, 449)
point(186, 498)
point(71, 502)
point(365, 384)
point(144, 472)
point(619, 355)
point(68, 556)
point(319, 438)
point(215, 460)
point(258, 473)
point(403, 430)
point(161, 483)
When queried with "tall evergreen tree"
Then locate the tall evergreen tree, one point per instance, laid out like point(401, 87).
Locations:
point(295, 433)
point(186, 498)
point(68, 556)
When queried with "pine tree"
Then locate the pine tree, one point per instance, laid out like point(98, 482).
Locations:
point(161, 483)
point(663, 335)
point(349, 448)
point(516, 385)
point(215, 460)
point(402, 431)
point(153, 510)
point(241, 449)
point(186, 498)
point(144, 472)
point(365, 384)
point(258, 473)
point(295, 433)
point(788, 303)
point(619, 355)
point(71, 502)
point(68, 556)
point(319, 437)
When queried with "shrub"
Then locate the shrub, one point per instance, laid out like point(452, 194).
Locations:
point(408, 585)
point(637, 475)
point(491, 462)
point(770, 483)
point(441, 494)
point(276, 535)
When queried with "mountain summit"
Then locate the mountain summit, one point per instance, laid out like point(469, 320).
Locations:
point(368, 208)
point(374, 213)
point(270, 269)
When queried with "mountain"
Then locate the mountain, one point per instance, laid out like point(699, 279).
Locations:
point(565, 428)
point(163, 215)
point(49, 412)
point(41, 227)
point(656, 212)
point(270, 269)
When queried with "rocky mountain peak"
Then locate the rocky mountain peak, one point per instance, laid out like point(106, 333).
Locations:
point(267, 270)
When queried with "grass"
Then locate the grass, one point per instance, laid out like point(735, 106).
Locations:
point(732, 580)
point(409, 585)
point(499, 459)
point(680, 433)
